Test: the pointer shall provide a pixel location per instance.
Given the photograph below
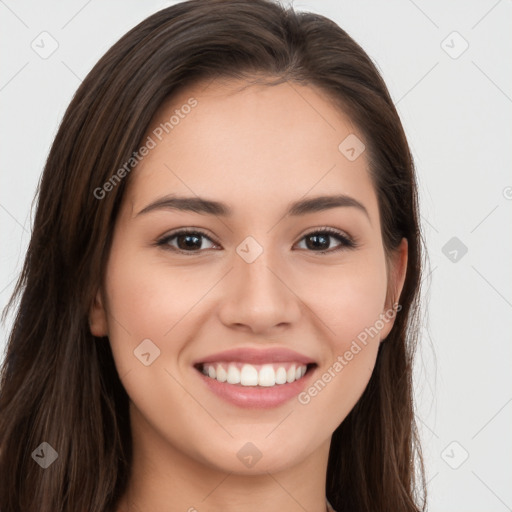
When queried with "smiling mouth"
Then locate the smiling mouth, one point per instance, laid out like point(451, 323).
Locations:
point(255, 375)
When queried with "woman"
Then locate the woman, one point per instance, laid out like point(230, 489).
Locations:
point(218, 307)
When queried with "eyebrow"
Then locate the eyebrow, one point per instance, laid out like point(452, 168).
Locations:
point(210, 207)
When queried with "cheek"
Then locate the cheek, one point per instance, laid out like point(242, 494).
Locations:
point(144, 303)
point(349, 298)
point(349, 301)
point(148, 298)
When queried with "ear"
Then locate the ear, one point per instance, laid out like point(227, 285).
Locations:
point(397, 270)
point(98, 317)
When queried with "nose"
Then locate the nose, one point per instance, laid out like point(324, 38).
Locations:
point(258, 297)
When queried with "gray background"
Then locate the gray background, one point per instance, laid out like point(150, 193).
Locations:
point(455, 104)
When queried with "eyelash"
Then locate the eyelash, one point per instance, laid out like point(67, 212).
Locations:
point(346, 241)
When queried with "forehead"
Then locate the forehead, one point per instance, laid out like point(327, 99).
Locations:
point(252, 144)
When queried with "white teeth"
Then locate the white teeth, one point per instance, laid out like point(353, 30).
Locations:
point(222, 375)
point(233, 374)
point(266, 375)
point(290, 374)
point(281, 375)
point(248, 375)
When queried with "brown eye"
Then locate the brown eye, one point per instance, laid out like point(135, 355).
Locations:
point(320, 241)
point(185, 241)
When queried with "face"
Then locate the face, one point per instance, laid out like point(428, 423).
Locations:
point(251, 335)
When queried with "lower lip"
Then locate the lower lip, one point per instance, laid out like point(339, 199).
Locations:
point(257, 397)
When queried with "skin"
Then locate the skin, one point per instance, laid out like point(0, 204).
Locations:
point(256, 148)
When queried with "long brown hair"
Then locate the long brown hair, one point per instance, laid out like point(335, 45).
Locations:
point(59, 384)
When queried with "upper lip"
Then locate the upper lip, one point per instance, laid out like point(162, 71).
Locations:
point(256, 356)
